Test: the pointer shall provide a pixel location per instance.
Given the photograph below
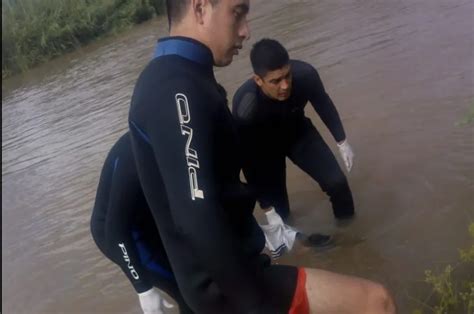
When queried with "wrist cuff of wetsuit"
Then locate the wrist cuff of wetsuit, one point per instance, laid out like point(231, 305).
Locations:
point(145, 293)
point(142, 287)
point(344, 141)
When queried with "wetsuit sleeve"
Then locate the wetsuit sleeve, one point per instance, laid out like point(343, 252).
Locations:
point(183, 143)
point(323, 104)
point(254, 147)
point(123, 199)
point(250, 133)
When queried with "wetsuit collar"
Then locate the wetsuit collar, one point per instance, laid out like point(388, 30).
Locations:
point(185, 47)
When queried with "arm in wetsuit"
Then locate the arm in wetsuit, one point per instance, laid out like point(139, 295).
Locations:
point(182, 136)
point(124, 198)
point(253, 134)
point(322, 103)
point(261, 148)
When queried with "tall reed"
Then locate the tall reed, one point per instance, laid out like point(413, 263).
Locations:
point(34, 31)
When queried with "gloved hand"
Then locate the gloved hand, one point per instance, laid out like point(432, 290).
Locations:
point(151, 302)
point(272, 217)
point(346, 154)
point(279, 237)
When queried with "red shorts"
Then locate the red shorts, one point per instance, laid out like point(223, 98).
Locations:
point(300, 304)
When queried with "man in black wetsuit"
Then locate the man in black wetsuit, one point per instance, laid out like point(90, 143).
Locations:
point(124, 230)
point(184, 143)
point(269, 114)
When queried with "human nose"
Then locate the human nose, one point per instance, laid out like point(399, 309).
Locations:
point(245, 30)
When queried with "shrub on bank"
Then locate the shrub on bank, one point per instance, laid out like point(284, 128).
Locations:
point(34, 31)
point(449, 293)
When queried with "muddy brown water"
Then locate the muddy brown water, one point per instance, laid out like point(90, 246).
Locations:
point(401, 74)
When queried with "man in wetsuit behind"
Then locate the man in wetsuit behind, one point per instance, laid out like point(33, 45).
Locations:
point(269, 114)
point(184, 143)
point(124, 230)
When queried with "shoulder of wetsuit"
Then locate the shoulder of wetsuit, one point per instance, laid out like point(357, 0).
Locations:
point(117, 150)
point(122, 162)
point(244, 105)
point(303, 72)
point(122, 151)
point(123, 142)
point(169, 71)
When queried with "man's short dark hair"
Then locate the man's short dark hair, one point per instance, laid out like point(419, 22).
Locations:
point(268, 55)
point(177, 8)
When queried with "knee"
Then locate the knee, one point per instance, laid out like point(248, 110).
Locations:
point(380, 301)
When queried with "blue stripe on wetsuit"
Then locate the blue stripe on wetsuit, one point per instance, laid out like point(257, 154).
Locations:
point(115, 165)
point(146, 258)
point(141, 132)
point(182, 48)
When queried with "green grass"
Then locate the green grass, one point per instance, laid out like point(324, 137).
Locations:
point(34, 31)
point(450, 294)
point(469, 117)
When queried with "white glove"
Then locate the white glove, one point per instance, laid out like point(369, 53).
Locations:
point(152, 302)
point(273, 218)
point(346, 154)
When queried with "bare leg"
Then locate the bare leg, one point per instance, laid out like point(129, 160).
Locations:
point(332, 293)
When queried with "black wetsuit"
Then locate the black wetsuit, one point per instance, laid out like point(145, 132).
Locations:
point(271, 129)
point(123, 228)
point(184, 143)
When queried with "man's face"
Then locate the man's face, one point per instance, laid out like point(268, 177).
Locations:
point(276, 84)
point(227, 28)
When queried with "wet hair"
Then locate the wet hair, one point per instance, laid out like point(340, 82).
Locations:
point(177, 8)
point(268, 55)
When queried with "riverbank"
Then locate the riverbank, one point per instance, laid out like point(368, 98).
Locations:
point(35, 31)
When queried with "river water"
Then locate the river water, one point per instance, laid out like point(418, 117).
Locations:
point(401, 73)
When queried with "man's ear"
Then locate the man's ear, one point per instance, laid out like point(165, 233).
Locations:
point(200, 9)
point(258, 80)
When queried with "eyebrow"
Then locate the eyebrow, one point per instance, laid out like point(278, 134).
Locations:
point(280, 77)
point(244, 7)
